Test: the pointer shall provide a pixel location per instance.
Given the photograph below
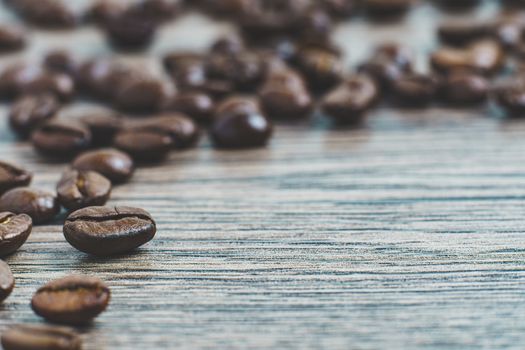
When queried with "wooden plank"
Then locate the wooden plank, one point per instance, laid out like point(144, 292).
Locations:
point(407, 234)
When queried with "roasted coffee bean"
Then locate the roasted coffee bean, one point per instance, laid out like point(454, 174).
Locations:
point(95, 76)
point(509, 32)
point(284, 96)
point(217, 88)
point(186, 69)
point(79, 189)
point(74, 300)
point(39, 337)
point(47, 13)
point(103, 126)
point(340, 8)
point(41, 206)
point(239, 123)
point(388, 63)
point(483, 56)
point(31, 111)
point(130, 29)
point(11, 38)
point(7, 281)
point(245, 70)
point(106, 231)
point(460, 33)
point(61, 138)
point(349, 102)
point(183, 130)
point(315, 25)
point(117, 166)
point(387, 8)
point(228, 45)
point(141, 93)
point(415, 90)
point(322, 69)
point(159, 10)
point(512, 99)
point(61, 61)
point(199, 106)
point(102, 11)
point(14, 231)
point(464, 88)
point(12, 176)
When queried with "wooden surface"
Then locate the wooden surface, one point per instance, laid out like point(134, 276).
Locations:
point(405, 234)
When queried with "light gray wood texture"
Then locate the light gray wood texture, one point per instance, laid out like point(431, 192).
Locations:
point(405, 234)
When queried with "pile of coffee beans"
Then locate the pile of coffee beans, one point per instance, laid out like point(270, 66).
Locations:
point(280, 66)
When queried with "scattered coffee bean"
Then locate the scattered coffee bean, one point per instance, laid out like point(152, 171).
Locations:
point(228, 45)
point(7, 281)
point(464, 88)
point(14, 231)
point(61, 138)
point(159, 10)
point(349, 102)
point(117, 166)
point(95, 77)
point(106, 231)
point(197, 105)
point(340, 8)
point(103, 126)
point(140, 93)
point(74, 300)
point(12, 176)
point(415, 90)
point(39, 337)
point(388, 63)
point(130, 29)
point(11, 38)
point(47, 13)
point(459, 33)
point(186, 69)
point(79, 189)
point(512, 99)
point(239, 123)
point(40, 205)
point(29, 112)
point(61, 61)
point(322, 69)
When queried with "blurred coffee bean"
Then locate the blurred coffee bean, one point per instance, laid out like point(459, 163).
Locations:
point(141, 93)
point(130, 30)
point(103, 126)
point(12, 176)
point(186, 69)
point(199, 106)
point(12, 38)
point(509, 32)
point(41, 206)
point(227, 45)
point(315, 25)
point(159, 10)
point(239, 123)
point(459, 33)
point(29, 112)
point(182, 130)
point(61, 138)
point(47, 13)
point(79, 189)
point(144, 145)
point(415, 90)
point(512, 99)
point(389, 62)
point(39, 337)
point(321, 68)
point(349, 102)
point(117, 166)
point(103, 10)
point(218, 88)
point(7, 281)
point(387, 8)
point(464, 88)
point(340, 8)
point(99, 77)
point(61, 61)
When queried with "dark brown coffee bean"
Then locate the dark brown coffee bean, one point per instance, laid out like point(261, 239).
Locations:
point(340, 8)
point(94, 77)
point(388, 63)
point(199, 106)
point(130, 29)
point(39, 337)
point(348, 103)
point(159, 10)
point(15, 79)
point(106, 231)
point(217, 88)
point(58, 84)
point(228, 45)
point(509, 32)
point(61, 138)
point(464, 88)
point(14, 231)
point(321, 68)
point(47, 13)
point(12, 176)
point(41, 206)
point(61, 61)
point(182, 130)
point(29, 112)
point(315, 25)
point(103, 126)
point(239, 123)
point(79, 189)
point(415, 90)
point(7, 281)
point(387, 8)
point(117, 166)
point(11, 38)
point(102, 11)
point(284, 96)
point(74, 300)
point(511, 99)
point(141, 93)
point(144, 145)
point(460, 33)
point(187, 69)
point(245, 70)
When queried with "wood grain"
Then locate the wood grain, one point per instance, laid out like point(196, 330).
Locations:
point(405, 234)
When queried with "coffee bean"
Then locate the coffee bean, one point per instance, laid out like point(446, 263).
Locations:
point(159, 10)
point(349, 102)
point(415, 90)
point(182, 130)
point(7, 281)
point(74, 300)
point(106, 231)
point(14, 231)
point(199, 106)
point(117, 166)
point(387, 8)
point(103, 126)
point(46, 13)
point(79, 189)
point(130, 29)
point(228, 45)
point(61, 138)
point(322, 69)
point(186, 69)
point(61, 61)
point(509, 32)
point(40, 205)
point(29, 112)
point(59, 84)
point(141, 93)
point(388, 63)
point(94, 77)
point(39, 337)
point(340, 8)
point(315, 25)
point(11, 38)
point(464, 88)
point(512, 99)
point(459, 33)
point(12, 176)
point(239, 123)
point(217, 88)
point(102, 11)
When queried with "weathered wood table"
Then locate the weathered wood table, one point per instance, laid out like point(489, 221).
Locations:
point(405, 234)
